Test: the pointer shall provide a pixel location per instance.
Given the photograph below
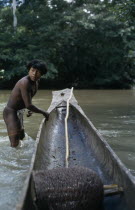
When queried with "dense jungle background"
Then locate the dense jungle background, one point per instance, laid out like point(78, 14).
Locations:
point(85, 43)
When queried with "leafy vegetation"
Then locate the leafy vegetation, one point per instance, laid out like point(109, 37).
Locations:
point(85, 43)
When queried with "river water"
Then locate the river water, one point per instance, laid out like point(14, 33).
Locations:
point(111, 111)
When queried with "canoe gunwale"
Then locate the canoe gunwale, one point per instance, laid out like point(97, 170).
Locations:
point(28, 178)
point(107, 146)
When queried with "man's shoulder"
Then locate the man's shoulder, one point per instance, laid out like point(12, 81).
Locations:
point(23, 81)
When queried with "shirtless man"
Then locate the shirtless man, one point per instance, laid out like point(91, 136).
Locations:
point(20, 98)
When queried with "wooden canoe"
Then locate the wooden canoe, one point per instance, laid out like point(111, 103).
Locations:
point(87, 148)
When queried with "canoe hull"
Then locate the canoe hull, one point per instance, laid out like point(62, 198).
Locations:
point(87, 148)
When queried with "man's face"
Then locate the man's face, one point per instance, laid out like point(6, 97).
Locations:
point(34, 74)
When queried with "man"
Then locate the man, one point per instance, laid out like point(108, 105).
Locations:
point(20, 98)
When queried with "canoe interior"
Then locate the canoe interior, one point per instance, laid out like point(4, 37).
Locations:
point(51, 150)
point(84, 149)
point(87, 148)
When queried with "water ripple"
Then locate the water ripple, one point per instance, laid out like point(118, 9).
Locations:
point(14, 165)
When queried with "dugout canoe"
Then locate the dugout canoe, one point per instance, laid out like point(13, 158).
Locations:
point(87, 148)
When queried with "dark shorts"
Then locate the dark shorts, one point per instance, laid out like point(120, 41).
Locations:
point(14, 123)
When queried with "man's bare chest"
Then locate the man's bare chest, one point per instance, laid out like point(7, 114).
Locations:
point(34, 89)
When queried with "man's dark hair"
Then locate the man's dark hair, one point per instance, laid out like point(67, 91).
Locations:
point(37, 64)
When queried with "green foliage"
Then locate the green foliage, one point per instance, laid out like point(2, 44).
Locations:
point(84, 43)
point(124, 12)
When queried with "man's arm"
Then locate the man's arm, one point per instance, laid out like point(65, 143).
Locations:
point(26, 96)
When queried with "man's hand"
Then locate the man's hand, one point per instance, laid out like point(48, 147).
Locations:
point(29, 113)
point(46, 115)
